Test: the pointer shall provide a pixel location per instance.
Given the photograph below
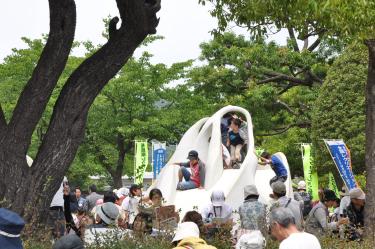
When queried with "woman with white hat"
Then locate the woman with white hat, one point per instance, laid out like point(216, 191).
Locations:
point(187, 236)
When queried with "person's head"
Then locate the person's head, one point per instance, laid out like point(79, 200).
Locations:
point(193, 156)
point(70, 241)
point(357, 197)
point(142, 223)
point(194, 216)
point(329, 198)
point(278, 189)
point(265, 155)
point(301, 186)
point(235, 124)
point(337, 203)
point(77, 191)
point(156, 197)
point(11, 225)
point(217, 198)
point(109, 196)
point(186, 230)
point(92, 188)
point(107, 213)
point(135, 190)
point(281, 222)
point(251, 192)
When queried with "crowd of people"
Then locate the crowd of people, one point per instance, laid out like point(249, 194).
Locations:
point(296, 221)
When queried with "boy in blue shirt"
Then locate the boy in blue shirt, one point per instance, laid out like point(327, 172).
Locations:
point(277, 166)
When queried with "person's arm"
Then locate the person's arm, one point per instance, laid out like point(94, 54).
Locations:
point(321, 216)
point(202, 174)
point(228, 141)
point(67, 213)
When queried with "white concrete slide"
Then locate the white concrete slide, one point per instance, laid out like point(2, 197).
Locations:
point(205, 137)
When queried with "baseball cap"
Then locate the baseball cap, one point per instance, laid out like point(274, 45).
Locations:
point(357, 193)
point(185, 230)
point(193, 154)
point(301, 185)
point(217, 198)
point(278, 187)
point(250, 190)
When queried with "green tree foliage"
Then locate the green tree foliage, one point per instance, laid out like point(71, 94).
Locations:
point(234, 72)
point(339, 112)
point(129, 108)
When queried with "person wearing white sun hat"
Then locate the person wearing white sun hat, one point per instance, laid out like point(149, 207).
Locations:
point(187, 236)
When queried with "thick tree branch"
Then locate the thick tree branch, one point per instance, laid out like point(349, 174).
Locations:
point(280, 78)
point(287, 107)
point(282, 130)
point(34, 97)
point(293, 39)
point(314, 45)
point(68, 120)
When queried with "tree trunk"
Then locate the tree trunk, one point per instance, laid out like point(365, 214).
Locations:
point(370, 143)
point(29, 190)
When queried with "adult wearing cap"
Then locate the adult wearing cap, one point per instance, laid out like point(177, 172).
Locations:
point(304, 198)
point(105, 219)
point(196, 178)
point(279, 194)
point(355, 214)
point(252, 212)
point(187, 236)
point(217, 210)
point(317, 221)
point(11, 225)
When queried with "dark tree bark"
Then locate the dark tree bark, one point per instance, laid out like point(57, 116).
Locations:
point(370, 143)
point(29, 190)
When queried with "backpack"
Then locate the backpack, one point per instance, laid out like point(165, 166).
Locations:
point(307, 205)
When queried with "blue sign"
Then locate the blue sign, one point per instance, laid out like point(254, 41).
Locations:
point(341, 156)
point(160, 157)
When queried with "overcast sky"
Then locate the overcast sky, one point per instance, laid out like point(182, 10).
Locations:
point(184, 24)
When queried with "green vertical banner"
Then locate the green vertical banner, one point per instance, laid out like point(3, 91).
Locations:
point(332, 184)
point(140, 161)
point(311, 175)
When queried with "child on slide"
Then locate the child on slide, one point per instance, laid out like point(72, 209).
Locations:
point(235, 142)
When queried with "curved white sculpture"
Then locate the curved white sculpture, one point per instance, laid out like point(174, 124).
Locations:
point(205, 137)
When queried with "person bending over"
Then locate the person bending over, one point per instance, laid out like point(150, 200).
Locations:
point(277, 166)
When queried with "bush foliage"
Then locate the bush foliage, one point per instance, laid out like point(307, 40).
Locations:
point(339, 112)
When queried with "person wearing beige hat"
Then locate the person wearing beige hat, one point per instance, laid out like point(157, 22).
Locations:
point(106, 216)
point(252, 212)
point(279, 194)
point(355, 213)
point(187, 236)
